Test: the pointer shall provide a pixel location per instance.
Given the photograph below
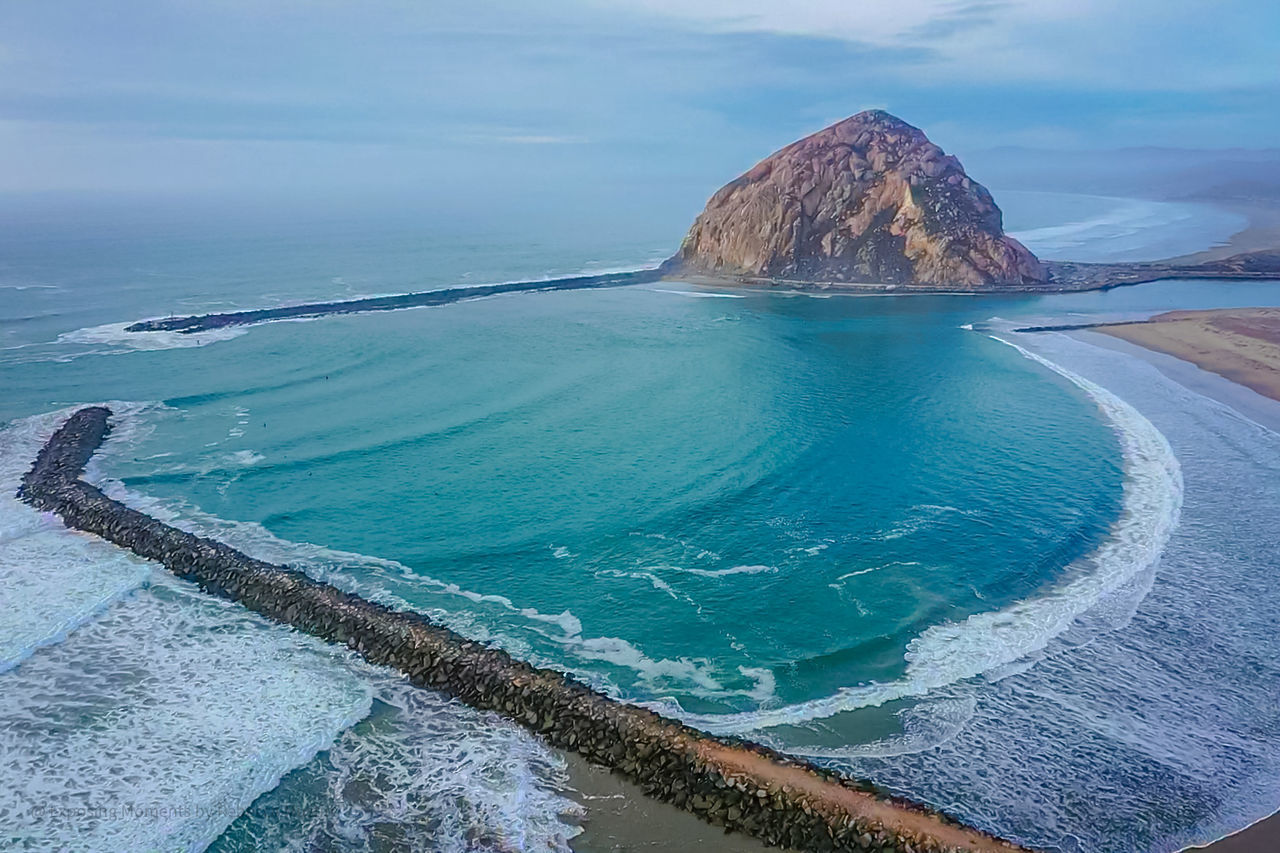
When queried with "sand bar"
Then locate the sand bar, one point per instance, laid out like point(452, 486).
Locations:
point(1243, 346)
point(1239, 344)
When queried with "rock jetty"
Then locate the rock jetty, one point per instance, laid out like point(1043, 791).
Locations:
point(735, 784)
point(310, 310)
point(867, 200)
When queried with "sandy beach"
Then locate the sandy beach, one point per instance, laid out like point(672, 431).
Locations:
point(1262, 837)
point(621, 819)
point(1232, 355)
point(1262, 230)
point(1242, 345)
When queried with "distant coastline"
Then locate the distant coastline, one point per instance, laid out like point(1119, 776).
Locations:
point(1253, 253)
point(1261, 230)
point(1064, 277)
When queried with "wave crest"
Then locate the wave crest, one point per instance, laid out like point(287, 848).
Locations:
point(992, 641)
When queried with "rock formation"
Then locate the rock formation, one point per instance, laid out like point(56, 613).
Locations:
point(868, 200)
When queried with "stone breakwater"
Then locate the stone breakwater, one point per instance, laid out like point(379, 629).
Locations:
point(735, 784)
point(311, 310)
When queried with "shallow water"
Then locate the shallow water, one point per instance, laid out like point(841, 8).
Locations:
point(1069, 227)
point(1159, 730)
point(865, 529)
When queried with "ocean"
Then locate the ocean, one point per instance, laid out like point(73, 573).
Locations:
point(1021, 578)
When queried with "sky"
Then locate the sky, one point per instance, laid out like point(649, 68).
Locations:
point(484, 102)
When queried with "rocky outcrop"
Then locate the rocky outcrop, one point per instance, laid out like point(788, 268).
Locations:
point(778, 799)
point(868, 200)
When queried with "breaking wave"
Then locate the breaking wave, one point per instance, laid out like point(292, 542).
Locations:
point(421, 772)
point(117, 677)
point(51, 581)
point(992, 642)
point(115, 336)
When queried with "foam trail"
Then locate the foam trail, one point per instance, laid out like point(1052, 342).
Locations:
point(700, 294)
point(51, 581)
point(335, 567)
point(871, 569)
point(948, 653)
point(720, 573)
point(106, 737)
point(120, 341)
point(426, 771)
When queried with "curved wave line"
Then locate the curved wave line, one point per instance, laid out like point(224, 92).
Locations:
point(951, 652)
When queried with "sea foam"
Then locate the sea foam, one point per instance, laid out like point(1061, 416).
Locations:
point(422, 772)
point(156, 724)
point(699, 294)
point(51, 581)
point(117, 340)
point(107, 729)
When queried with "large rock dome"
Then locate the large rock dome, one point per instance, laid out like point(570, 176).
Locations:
point(870, 200)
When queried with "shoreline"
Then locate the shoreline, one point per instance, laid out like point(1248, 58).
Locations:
point(1244, 401)
point(726, 782)
point(1263, 835)
point(1241, 345)
point(1260, 233)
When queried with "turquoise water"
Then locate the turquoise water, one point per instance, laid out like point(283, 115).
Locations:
point(828, 524)
point(659, 544)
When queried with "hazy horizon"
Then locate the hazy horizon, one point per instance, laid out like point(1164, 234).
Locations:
point(493, 106)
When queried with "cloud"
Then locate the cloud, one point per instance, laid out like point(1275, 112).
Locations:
point(682, 93)
point(1136, 44)
point(879, 23)
point(958, 20)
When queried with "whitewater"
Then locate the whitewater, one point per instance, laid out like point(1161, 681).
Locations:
point(169, 671)
point(986, 642)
